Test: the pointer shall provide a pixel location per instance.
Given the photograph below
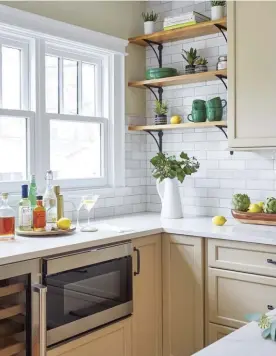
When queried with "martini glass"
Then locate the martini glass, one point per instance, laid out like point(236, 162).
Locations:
point(88, 202)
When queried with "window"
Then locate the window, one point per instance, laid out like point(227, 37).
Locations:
point(59, 108)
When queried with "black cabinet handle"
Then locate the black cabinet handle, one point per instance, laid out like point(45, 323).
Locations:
point(269, 260)
point(138, 261)
point(270, 307)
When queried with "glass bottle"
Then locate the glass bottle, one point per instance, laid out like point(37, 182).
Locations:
point(33, 192)
point(7, 219)
point(25, 210)
point(50, 201)
point(60, 205)
point(39, 215)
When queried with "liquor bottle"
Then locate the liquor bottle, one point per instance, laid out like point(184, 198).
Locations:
point(33, 192)
point(25, 210)
point(7, 219)
point(60, 205)
point(50, 201)
point(39, 215)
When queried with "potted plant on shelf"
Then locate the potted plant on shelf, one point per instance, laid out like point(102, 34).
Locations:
point(201, 65)
point(190, 57)
point(217, 11)
point(161, 110)
point(168, 171)
point(149, 20)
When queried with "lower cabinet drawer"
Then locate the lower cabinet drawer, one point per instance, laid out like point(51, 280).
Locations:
point(232, 295)
point(216, 332)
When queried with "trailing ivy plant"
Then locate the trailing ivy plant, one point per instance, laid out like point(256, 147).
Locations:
point(149, 16)
point(266, 323)
point(218, 3)
point(166, 166)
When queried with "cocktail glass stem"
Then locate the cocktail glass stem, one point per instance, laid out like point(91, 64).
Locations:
point(88, 222)
point(78, 219)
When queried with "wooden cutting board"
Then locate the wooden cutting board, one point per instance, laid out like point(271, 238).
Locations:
point(254, 218)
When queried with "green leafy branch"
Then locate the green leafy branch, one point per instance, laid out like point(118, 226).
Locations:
point(166, 166)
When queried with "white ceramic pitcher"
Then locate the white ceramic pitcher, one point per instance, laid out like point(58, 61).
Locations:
point(170, 198)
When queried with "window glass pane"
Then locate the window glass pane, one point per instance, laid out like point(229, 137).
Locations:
point(75, 149)
point(11, 78)
point(69, 87)
point(51, 79)
point(88, 89)
point(13, 148)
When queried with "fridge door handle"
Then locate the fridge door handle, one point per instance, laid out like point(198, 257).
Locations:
point(42, 290)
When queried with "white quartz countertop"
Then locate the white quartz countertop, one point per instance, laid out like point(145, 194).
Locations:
point(246, 341)
point(24, 248)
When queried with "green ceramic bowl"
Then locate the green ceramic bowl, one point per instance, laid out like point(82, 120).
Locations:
point(156, 73)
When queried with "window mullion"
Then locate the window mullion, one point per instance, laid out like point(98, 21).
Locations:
point(79, 88)
point(1, 103)
point(60, 86)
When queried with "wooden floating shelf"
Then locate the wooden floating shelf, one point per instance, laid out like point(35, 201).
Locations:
point(10, 311)
point(12, 289)
point(200, 29)
point(178, 126)
point(180, 79)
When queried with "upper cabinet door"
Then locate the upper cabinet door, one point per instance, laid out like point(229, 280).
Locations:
point(251, 74)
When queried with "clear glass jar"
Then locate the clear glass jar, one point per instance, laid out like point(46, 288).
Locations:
point(7, 219)
point(222, 62)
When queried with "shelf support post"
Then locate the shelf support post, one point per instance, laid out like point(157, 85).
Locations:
point(160, 49)
point(222, 77)
point(222, 29)
point(160, 91)
point(159, 142)
point(225, 134)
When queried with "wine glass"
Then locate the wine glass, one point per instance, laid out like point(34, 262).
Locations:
point(87, 202)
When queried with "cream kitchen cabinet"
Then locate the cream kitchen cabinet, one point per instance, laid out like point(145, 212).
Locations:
point(147, 297)
point(112, 340)
point(183, 295)
point(251, 79)
point(216, 332)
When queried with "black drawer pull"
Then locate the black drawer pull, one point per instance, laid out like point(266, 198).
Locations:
point(138, 261)
point(270, 307)
point(269, 260)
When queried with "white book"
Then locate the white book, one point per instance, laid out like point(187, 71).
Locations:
point(190, 16)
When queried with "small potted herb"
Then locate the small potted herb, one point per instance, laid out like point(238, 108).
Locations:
point(217, 11)
point(161, 110)
point(190, 57)
point(201, 65)
point(149, 20)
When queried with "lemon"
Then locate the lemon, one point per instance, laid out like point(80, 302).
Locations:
point(219, 220)
point(64, 223)
point(255, 208)
point(176, 119)
point(261, 204)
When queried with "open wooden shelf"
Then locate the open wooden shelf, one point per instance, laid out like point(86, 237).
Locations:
point(9, 311)
point(200, 29)
point(180, 79)
point(10, 346)
point(11, 289)
point(179, 126)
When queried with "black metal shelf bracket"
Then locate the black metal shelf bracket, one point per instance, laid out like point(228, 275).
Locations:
point(160, 91)
point(222, 129)
point(222, 30)
point(222, 77)
point(160, 49)
point(159, 142)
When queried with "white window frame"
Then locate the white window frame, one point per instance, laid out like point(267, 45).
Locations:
point(46, 36)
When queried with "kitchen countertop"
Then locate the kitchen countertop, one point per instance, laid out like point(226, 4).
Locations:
point(24, 248)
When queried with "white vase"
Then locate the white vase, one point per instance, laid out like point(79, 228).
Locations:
point(217, 12)
point(148, 27)
point(170, 198)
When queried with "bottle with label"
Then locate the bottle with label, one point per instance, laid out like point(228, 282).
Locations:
point(39, 215)
point(33, 192)
point(50, 201)
point(60, 205)
point(25, 210)
point(7, 219)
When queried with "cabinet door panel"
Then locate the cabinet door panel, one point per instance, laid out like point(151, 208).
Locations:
point(251, 110)
point(232, 295)
point(217, 332)
point(147, 298)
point(182, 295)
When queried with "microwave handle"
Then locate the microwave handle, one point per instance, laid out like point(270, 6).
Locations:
point(42, 290)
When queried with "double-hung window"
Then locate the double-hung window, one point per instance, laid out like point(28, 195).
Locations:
point(61, 107)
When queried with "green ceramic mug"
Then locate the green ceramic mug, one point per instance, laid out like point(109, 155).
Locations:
point(198, 104)
point(197, 116)
point(214, 114)
point(216, 103)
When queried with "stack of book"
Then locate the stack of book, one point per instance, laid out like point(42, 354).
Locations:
point(183, 20)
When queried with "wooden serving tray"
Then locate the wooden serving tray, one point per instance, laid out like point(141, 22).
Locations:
point(254, 218)
point(46, 233)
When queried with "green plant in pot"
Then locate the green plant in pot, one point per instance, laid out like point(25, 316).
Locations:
point(168, 170)
point(161, 110)
point(201, 65)
point(190, 57)
point(149, 19)
point(217, 10)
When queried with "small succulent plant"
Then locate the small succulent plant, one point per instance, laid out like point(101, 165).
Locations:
point(240, 202)
point(218, 3)
point(201, 61)
point(149, 16)
point(270, 206)
point(161, 108)
point(190, 56)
